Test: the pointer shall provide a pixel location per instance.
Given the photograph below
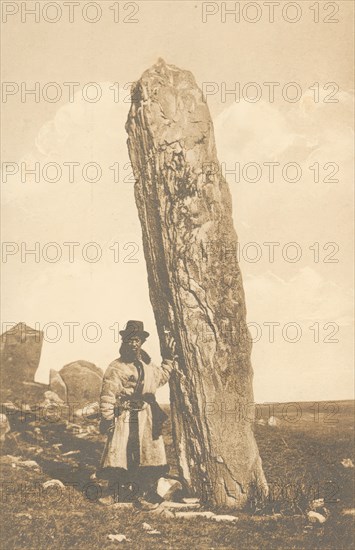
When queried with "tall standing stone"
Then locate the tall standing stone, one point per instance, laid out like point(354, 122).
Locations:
point(21, 348)
point(195, 284)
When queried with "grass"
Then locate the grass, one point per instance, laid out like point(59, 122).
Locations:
point(302, 461)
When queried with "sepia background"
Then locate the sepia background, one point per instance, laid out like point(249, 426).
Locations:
point(314, 292)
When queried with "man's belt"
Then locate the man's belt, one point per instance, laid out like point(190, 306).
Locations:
point(132, 404)
point(135, 404)
point(129, 404)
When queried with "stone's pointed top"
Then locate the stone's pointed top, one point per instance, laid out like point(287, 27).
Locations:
point(162, 67)
point(161, 61)
point(173, 107)
point(165, 74)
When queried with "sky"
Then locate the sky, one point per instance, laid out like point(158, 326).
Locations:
point(299, 301)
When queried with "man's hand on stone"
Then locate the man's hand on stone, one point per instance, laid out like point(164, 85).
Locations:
point(171, 349)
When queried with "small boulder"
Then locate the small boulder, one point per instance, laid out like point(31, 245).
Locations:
point(118, 538)
point(23, 515)
point(225, 518)
point(150, 530)
point(316, 517)
point(348, 512)
point(167, 487)
point(162, 512)
point(347, 463)
point(53, 483)
point(83, 381)
point(181, 506)
point(4, 426)
point(52, 397)
point(10, 459)
point(30, 464)
point(273, 422)
point(107, 501)
point(123, 506)
point(194, 515)
point(317, 503)
point(70, 453)
point(57, 385)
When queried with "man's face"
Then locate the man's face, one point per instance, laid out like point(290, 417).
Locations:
point(134, 344)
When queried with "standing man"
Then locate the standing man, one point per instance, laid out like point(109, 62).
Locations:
point(134, 456)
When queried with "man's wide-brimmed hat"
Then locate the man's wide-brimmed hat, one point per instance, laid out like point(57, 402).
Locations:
point(134, 328)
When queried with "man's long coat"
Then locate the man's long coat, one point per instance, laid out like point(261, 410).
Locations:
point(118, 376)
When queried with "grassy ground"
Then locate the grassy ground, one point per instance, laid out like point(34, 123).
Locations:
point(301, 459)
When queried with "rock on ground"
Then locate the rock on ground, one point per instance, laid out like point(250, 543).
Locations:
point(194, 515)
point(315, 517)
point(4, 426)
point(78, 382)
point(167, 487)
point(273, 422)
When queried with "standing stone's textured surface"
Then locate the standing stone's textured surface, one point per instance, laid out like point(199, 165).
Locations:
point(195, 285)
point(21, 348)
